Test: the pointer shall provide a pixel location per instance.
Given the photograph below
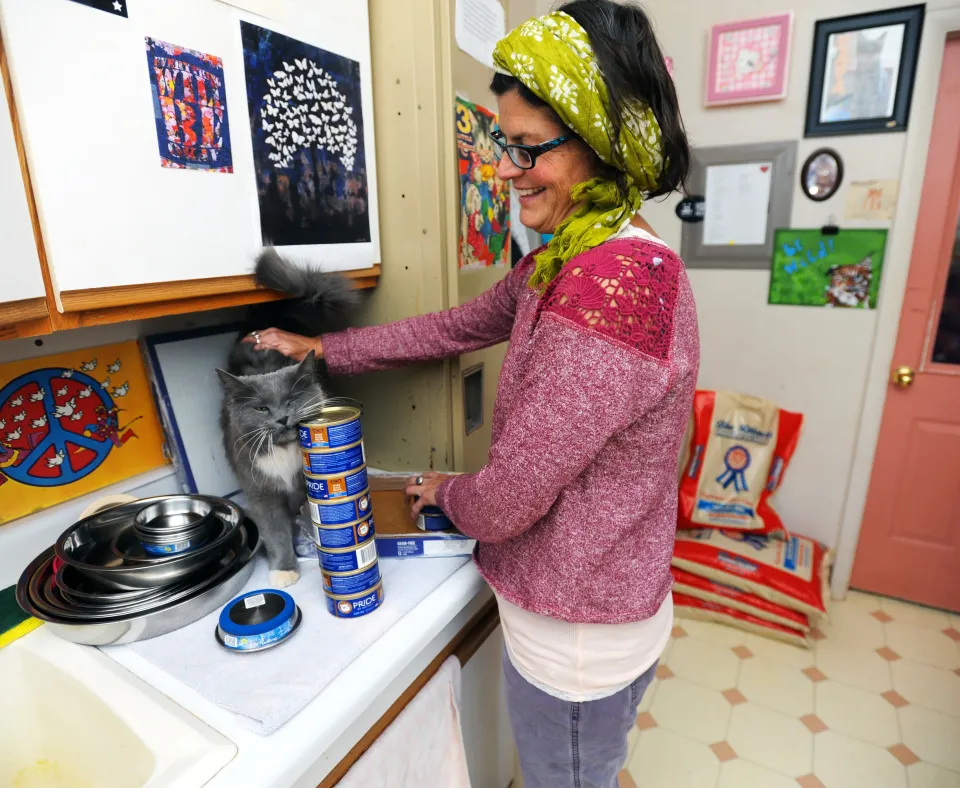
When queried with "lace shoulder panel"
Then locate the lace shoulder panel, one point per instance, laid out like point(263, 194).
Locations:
point(627, 294)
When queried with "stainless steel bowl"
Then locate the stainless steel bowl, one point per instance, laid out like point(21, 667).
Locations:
point(154, 623)
point(78, 588)
point(129, 548)
point(86, 546)
point(173, 514)
point(47, 595)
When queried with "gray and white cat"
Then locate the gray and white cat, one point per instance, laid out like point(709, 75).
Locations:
point(266, 396)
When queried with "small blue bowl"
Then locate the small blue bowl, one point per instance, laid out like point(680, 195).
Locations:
point(258, 620)
point(432, 518)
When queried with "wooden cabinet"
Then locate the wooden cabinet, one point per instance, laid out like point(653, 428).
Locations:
point(120, 237)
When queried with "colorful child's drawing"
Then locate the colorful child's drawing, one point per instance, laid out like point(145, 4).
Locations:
point(306, 120)
point(812, 269)
point(73, 423)
point(484, 198)
point(190, 108)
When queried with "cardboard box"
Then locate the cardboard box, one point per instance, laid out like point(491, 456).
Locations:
point(397, 536)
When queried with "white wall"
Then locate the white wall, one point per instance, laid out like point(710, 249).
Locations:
point(812, 360)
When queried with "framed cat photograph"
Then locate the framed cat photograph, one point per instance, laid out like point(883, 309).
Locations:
point(748, 60)
point(814, 268)
point(861, 77)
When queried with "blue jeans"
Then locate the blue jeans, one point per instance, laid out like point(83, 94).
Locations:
point(570, 745)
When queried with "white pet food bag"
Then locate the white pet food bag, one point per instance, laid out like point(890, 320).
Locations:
point(736, 458)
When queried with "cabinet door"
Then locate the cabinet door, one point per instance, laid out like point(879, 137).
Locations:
point(22, 287)
point(114, 215)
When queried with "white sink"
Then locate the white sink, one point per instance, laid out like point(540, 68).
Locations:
point(70, 717)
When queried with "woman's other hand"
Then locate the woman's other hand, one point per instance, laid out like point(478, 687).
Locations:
point(429, 483)
point(292, 345)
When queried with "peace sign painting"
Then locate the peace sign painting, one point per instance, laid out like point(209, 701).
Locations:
point(73, 423)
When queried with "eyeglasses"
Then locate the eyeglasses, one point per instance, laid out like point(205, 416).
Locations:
point(524, 156)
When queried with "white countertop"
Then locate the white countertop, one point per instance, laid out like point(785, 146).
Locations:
point(304, 750)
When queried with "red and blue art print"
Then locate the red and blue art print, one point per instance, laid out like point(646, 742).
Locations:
point(306, 122)
point(190, 108)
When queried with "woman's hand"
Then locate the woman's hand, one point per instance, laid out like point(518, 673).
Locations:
point(292, 345)
point(426, 490)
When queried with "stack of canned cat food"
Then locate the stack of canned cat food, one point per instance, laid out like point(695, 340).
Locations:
point(338, 495)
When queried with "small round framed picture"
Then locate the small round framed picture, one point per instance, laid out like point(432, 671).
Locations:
point(821, 174)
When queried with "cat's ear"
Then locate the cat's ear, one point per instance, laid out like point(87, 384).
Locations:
point(231, 383)
point(308, 371)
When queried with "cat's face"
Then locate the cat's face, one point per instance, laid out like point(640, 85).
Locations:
point(267, 409)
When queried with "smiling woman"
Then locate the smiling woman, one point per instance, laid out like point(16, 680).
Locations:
point(593, 401)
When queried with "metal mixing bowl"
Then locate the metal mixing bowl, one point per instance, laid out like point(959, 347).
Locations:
point(47, 595)
point(86, 546)
point(173, 514)
point(159, 621)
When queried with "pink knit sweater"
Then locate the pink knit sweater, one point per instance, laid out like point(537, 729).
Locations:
point(576, 508)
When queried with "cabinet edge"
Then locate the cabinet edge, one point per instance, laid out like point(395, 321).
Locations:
point(103, 298)
point(19, 311)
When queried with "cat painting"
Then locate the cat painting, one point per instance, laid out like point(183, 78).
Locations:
point(266, 396)
point(849, 285)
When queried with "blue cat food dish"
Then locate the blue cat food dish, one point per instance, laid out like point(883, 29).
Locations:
point(173, 548)
point(349, 583)
point(355, 605)
point(333, 537)
point(349, 559)
point(340, 511)
point(432, 518)
point(257, 620)
point(333, 428)
point(336, 485)
point(325, 462)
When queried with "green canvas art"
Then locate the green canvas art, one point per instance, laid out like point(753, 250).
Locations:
point(813, 269)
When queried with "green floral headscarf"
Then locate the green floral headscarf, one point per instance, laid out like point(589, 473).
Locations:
point(553, 57)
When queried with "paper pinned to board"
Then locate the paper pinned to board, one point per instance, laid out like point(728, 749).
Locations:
point(737, 204)
point(479, 25)
point(271, 9)
point(872, 200)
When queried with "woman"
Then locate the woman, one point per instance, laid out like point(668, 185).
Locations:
point(575, 510)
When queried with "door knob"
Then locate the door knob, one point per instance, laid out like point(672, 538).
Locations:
point(903, 377)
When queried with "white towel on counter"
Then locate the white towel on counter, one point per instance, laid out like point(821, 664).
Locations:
point(269, 687)
point(423, 746)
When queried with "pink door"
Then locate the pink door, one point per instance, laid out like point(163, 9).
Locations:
point(910, 541)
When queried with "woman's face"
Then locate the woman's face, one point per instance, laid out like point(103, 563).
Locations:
point(545, 190)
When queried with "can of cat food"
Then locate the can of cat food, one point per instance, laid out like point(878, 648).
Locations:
point(355, 605)
point(334, 427)
point(336, 485)
point(348, 559)
point(340, 511)
point(432, 518)
point(326, 462)
point(332, 537)
point(346, 583)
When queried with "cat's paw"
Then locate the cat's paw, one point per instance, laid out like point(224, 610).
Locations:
point(281, 579)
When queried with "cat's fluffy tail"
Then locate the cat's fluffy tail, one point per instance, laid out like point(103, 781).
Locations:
point(323, 301)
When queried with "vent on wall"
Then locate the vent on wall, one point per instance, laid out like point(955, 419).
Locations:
point(473, 398)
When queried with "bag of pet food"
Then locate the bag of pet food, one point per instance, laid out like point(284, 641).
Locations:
point(700, 610)
point(707, 590)
point(736, 459)
point(791, 572)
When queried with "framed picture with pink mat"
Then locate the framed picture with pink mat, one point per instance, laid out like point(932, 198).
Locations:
point(748, 60)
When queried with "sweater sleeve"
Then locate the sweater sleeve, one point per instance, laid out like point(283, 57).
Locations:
point(578, 392)
point(482, 322)
point(600, 361)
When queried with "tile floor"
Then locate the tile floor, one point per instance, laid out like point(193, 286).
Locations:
point(876, 704)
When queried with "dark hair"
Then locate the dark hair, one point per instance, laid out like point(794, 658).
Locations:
point(633, 69)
